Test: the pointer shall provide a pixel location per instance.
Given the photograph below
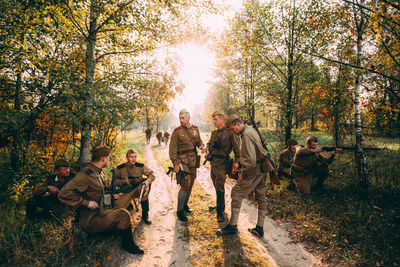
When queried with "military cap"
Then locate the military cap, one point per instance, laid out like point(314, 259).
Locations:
point(101, 151)
point(291, 142)
point(230, 119)
point(184, 112)
point(217, 112)
point(60, 163)
point(311, 138)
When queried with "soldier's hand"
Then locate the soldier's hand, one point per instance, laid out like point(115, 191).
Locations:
point(338, 150)
point(235, 167)
point(203, 149)
point(117, 196)
point(147, 184)
point(318, 150)
point(126, 181)
point(53, 189)
point(93, 205)
point(176, 169)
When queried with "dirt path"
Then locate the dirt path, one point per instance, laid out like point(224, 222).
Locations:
point(165, 242)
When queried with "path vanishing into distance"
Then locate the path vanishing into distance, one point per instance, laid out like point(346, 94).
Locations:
point(166, 241)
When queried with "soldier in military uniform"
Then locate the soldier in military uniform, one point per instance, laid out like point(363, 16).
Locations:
point(221, 143)
point(132, 173)
point(44, 197)
point(159, 137)
point(285, 161)
point(309, 163)
point(166, 137)
point(183, 154)
point(253, 177)
point(148, 135)
point(91, 192)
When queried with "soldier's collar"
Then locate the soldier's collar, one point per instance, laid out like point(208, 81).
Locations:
point(96, 169)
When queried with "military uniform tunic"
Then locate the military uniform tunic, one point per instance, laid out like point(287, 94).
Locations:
point(308, 164)
point(182, 150)
point(221, 143)
point(285, 162)
point(134, 172)
point(253, 178)
point(85, 187)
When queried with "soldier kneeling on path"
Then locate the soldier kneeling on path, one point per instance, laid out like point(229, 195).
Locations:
point(131, 173)
point(285, 162)
point(44, 198)
point(309, 164)
point(91, 192)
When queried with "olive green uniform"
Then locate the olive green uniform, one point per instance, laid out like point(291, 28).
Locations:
point(85, 187)
point(285, 162)
point(253, 178)
point(182, 152)
point(42, 197)
point(136, 173)
point(308, 164)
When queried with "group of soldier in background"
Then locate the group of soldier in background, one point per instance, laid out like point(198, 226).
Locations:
point(102, 204)
point(162, 137)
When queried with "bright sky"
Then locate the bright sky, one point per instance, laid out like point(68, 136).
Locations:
point(198, 61)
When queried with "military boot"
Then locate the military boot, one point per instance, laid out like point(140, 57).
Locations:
point(220, 206)
point(228, 230)
point(181, 216)
point(257, 231)
point(220, 213)
point(145, 211)
point(187, 209)
point(127, 242)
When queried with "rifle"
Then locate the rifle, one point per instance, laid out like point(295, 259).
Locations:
point(273, 174)
point(74, 222)
point(141, 193)
point(180, 175)
point(207, 158)
point(333, 148)
point(57, 220)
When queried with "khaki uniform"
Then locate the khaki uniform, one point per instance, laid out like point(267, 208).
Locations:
point(221, 143)
point(86, 186)
point(285, 162)
point(135, 172)
point(182, 152)
point(159, 137)
point(43, 198)
point(253, 178)
point(307, 165)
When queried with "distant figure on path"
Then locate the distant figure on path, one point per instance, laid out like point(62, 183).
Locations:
point(148, 135)
point(166, 138)
point(159, 137)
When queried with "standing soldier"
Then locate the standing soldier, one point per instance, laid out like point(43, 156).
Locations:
point(159, 137)
point(183, 154)
point(132, 173)
point(90, 190)
point(166, 137)
point(148, 135)
point(253, 177)
point(45, 194)
point(221, 143)
point(309, 163)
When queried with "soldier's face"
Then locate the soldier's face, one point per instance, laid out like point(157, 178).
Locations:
point(218, 122)
point(184, 120)
point(131, 158)
point(236, 128)
point(313, 145)
point(62, 171)
point(293, 147)
point(105, 161)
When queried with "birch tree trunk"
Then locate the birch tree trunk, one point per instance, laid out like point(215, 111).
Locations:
point(90, 64)
point(361, 160)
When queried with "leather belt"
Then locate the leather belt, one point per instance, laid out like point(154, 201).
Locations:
point(186, 151)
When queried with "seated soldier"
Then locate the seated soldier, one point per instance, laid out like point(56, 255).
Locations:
point(44, 197)
point(309, 164)
point(91, 191)
point(285, 161)
point(131, 173)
